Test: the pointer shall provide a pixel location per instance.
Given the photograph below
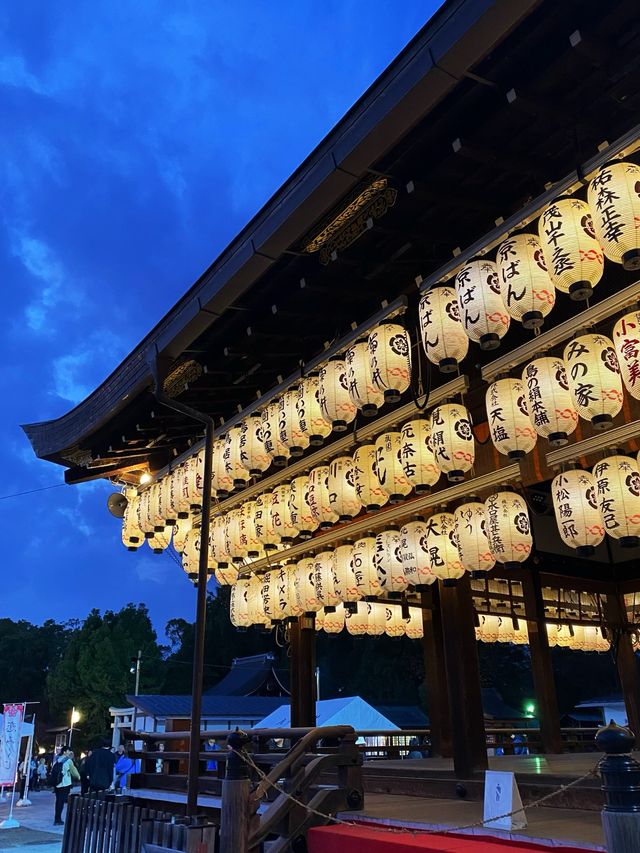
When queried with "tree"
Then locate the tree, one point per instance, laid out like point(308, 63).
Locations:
point(27, 654)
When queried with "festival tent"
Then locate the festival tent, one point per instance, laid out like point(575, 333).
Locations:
point(345, 711)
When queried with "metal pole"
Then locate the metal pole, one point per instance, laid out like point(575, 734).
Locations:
point(24, 800)
point(137, 691)
point(73, 713)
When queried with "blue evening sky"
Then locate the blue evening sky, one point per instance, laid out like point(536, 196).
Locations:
point(137, 139)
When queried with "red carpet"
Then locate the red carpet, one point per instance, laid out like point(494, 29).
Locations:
point(347, 839)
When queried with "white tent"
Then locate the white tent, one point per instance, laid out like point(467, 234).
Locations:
point(347, 711)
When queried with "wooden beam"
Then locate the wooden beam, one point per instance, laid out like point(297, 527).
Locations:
point(303, 672)
point(625, 657)
point(435, 675)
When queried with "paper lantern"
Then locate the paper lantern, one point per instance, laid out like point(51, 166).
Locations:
point(594, 379)
point(281, 514)
point(232, 456)
point(324, 585)
point(376, 619)
point(443, 337)
point(271, 600)
point(143, 512)
point(294, 606)
point(527, 291)
point(235, 542)
point(415, 554)
point(156, 505)
point(239, 604)
point(319, 499)
point(563, 636)
point(615, 204)
point(226, 575)
point(508, 528)
point(357, 619)
point(179, 508)
point(334, 619)
point(626, 339)
point(344, 580)
point(618, 495)
point(302, 517)
point(218, 541)
point(506, 630)
point(336, 405)
point(452, 440)
point(549, 401)
point(343, 498)
point(181, 489)
point(416, 454)
point(444, 559)
point(483, 314)
point(249, 533)
point(488, 628)
point(572, 254)
point(278, 451)
point(132, 533)
point(389, 466)
point(289, 428)
point(510, 429)
point(180, 530)
point(368, 489)
point(169, 502)
point(390, 360)
point(305, 585)
point(364, 567)
point(253, 454)
point(312, 423)
point(363, 391)
point(318, 621)
point(193, 474)
point(266, 532)
point(521, 633)
point(552, 634)
point(394, 623)
point(221, 480)
point(257, 616)
point(578, 518)
point(160, 540)
point(388, 562)
point(577, 638)
point(414, 627)
point(471, 537)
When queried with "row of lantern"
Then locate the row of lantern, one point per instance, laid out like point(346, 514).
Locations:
point(506, 629)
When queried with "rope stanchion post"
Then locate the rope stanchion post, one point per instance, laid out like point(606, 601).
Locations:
point(621, 788)
point(236, 817)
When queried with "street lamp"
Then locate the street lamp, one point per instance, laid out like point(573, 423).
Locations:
point(75, 718)
point(135, 668)
point(530, 709)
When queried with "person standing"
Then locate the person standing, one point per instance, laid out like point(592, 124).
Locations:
point(63, 775)
point(41, 774)
point(99, 767)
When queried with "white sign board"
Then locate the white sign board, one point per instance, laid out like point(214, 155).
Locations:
point(10, 743)
point(502, 803)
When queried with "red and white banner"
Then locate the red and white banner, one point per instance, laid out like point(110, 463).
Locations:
point(10, 735)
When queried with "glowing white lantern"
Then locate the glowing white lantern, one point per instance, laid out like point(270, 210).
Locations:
point(368, 489)
point(271, 601)
point(364, 393)
point(527, 290)
point(471, 537)
point(452, 440)
point(319, 620)
point(552, 634)
point(221, 480)
point(594, 379)
point(577, 639)
point(181, 474)
point(334, 619)
point(563, 636)
point(510, 429)
point(160, 540)
point(615, 204)
point(394, 623)
point(266, 532)
point(232, 456)
point(444, 559)
point(626, 339)
point(156, 505)
point(312, 422)
point(257, 616)
point(278, 451)
point(364, 567)
point(506, 630)
point(305, 585)
point(414, 627)
point(573, 256)
point(168, 500)
point(249, 533)
point(415, 554)
point(549, 401)
point(357, 619)
point(324, 585)
point(336, 405)
point(416, 453)
point(180, 530)
point(483, 314)
point(319, 499)
point(488, 628)
point(281, 514)
point(578, 518)
point(179, 502)
point(193, 473)
point(289, 428)
point(377, 619)
point(390, 359)
point(343, 498)
point(239, 603)
point(302, 517)
point(344, 580)
point(253, 454)
point(389, 466)
point(618, 495)
point(235, 542)
point(132, 533)
point(226, 575)
point(508, 528)
point(294, 606)
point(388, 562)
point(443, 338)
point(521, 633)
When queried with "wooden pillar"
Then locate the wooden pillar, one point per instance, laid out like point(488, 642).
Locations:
point(544, 686)
point(620, 638)
point(435, 678)
point(463, 679)
point(303, 672)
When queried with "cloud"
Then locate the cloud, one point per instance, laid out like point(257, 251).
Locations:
point(155, 568)
point(77, 373)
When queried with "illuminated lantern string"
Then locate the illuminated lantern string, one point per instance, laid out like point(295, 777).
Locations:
point(312, 423)
point(394, 623)
point(483, 314)
point(342, 488)
point(527, 290)
point(444, 559)
point(626, 339)
point(232, 456)
point(368, 489)
point(221, 480)
point(618, 495)
point(132, 534)
point(578, 518)
point(376, 619)
point(573, 256)
point(305, 585)
point(160, 540)
point(281, 514)
point(364, 567)
point(253, 454)
point(278, 451)
point(334, 620)
point(390, 360)
point(357, 619)
point(302, 517)
point(452, 440)
point(615, 204)
point(416, 453)
point(266, 532)
point(319, 499)
point(443, 338)
point(594, 379)
point(510, 429)
point(388, 562)
point(344, 580)
point(239, 604)
point(364, 393)
point(549, 401)
point(336, 405)
point(471, 537)
point(389, 466)
point(324, 585)
point(415, 554)
point(289, 426)
point(508, 528)
point(414, 628)
point(180, 530)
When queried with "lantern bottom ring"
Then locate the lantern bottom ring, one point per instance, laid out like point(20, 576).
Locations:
point(238, 483)
point(270, 547)
point(394, 596)
point(305, 534)
point(532, 319)
point(345, 517)
point(580, 290)
point(558, 439)
point(511, 564)
point(279, 461)
point(339, 426)
point(447, 365)
point(631, 259)
point(422, 489)
point(193, 576)
point(183, 515)
point(221, 494)
point(585, 550)
point(449, 582)
point(369, 410)
point(455, 476)
point(477, 574)
point(517, 454)
point(629, 541)
point(296, 452)
point(601, 422)
point(489, 341)
point(422, 587)
point(396, 498)
point(159, 528)
point(391, 395)
point(170, 522)
point(372, 507)
point(253, 554)
point(330, 608)
point(326, 525)
point(316, 440)
point(148, 534)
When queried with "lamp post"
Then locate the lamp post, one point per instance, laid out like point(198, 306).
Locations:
point(75, 718)
point(135, 668)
